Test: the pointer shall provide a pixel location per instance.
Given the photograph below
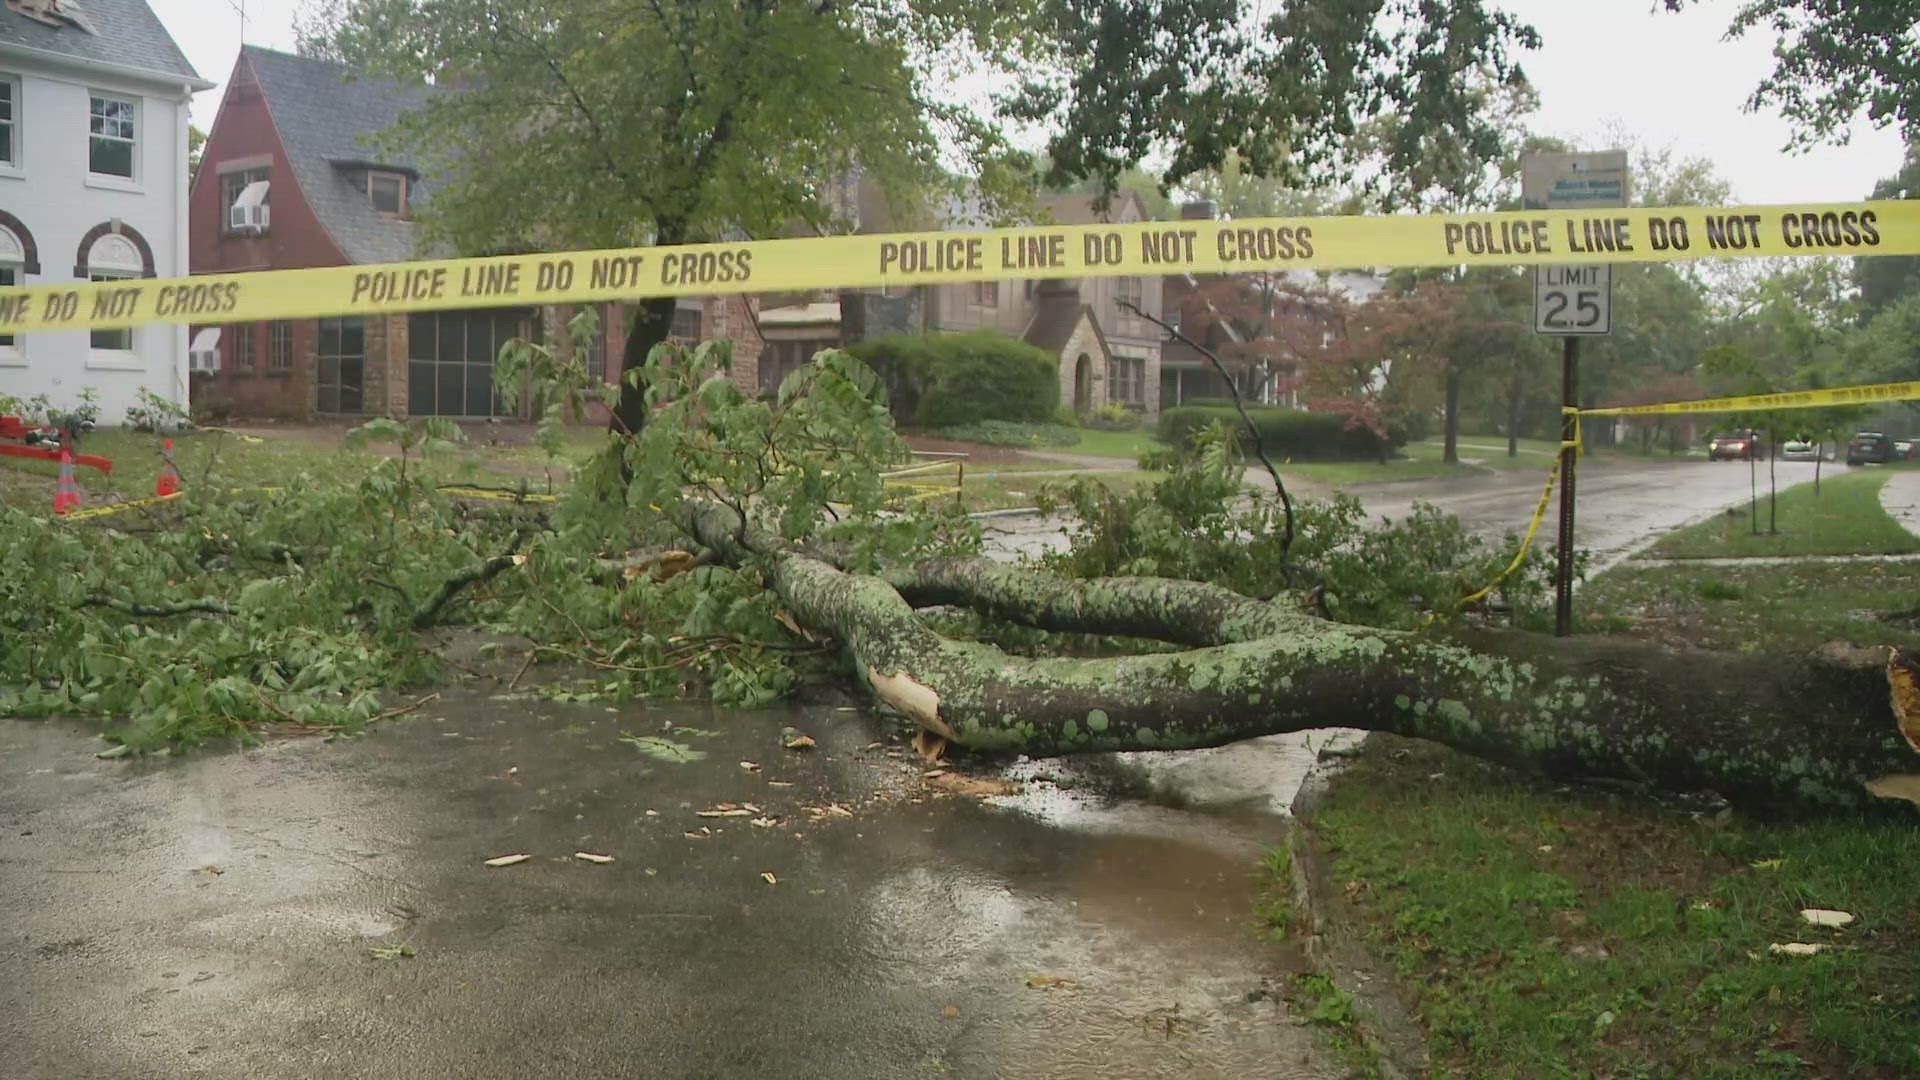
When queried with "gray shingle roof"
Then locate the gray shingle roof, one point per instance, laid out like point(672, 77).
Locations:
point(126, 34)
point(326, 118)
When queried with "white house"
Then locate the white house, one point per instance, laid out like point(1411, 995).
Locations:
point(93, 185)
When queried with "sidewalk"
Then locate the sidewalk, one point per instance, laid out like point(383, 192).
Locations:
point(1900, 498)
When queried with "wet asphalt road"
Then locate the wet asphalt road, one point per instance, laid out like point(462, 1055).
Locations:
point(1621, 505)
point(215, 916)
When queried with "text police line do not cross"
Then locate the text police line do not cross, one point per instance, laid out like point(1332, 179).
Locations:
point(1559, 238)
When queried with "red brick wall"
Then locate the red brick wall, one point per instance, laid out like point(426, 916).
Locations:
point(244, 129)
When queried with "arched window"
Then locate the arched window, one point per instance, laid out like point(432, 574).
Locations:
point(18, 258)
point(113, 252)
point(13, 271)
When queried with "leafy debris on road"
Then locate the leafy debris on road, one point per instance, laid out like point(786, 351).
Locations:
point(392, 952)
point(664, 749)
point(588, 856)
point(795, 739)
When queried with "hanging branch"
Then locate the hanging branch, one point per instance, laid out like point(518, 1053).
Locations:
point(1259, 444)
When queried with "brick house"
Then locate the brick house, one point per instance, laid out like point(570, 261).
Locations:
point(288, 179)
point(1106, 354)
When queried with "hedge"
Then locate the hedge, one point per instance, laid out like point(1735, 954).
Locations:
point(1288, 433)
point(945, 380)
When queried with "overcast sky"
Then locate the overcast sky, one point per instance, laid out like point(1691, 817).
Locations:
point(1603, 62)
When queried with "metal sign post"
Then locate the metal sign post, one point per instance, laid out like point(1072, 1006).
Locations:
point(1572, 301)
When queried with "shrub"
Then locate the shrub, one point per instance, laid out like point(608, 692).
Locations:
point(1113, 417)
point(1002, 433)
point(1288, 433)
point(945, 380)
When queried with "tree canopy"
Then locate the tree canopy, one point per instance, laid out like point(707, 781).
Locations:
point(1836, 59)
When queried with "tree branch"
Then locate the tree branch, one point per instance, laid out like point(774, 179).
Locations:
point(1770, 733)
point(1259, 444)
point(428, 613)
point(160, 611)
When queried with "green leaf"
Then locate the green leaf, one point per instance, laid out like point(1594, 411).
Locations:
point(664, 749)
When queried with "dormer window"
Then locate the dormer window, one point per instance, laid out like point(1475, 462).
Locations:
point(388, 192)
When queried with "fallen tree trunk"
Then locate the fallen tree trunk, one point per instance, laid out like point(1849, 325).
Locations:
point(1763, 732)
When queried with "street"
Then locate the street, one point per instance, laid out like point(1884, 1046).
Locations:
point(1621, 504)
point(219, 916)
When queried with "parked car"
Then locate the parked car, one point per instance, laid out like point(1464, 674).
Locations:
point(1799, 450)
point(1869, 447)
point(1735, 445)
point(1903, 449)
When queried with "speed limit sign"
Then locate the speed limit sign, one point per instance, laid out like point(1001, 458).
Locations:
point(1573, 299)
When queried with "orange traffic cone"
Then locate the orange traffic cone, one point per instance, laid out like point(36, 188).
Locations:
point(66, 494)
point(169, 481)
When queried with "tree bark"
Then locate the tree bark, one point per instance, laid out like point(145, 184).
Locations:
point(1513, 422)
point(652, 323)
point(1770, 733)
point(1451, 456)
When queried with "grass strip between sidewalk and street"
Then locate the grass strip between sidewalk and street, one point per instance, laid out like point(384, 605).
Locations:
point(1758, 609)
point(1549, 931)
point(1844, 518)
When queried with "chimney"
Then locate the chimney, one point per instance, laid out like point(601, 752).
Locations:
point(1200, 210)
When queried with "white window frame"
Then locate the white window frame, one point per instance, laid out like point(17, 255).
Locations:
point(10, 165)
point(100, 179)
point(13, 260)
point(127, 359)
point(256, 182)
point(12, 352)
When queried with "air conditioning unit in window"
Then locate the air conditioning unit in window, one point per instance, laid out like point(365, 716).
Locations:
point(203, 352)
point(243, 218)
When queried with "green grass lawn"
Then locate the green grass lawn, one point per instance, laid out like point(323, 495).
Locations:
point(1845, 518)
point(1120, 444)
point(1417, 461)
point(1002, 491)
point(274, 460)
point(1549, 932)
point(1781, 608)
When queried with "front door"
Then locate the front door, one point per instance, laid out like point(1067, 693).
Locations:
point(1082, 383)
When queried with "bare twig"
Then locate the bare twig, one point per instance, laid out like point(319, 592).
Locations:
point(522, 673)
point(1259, 444)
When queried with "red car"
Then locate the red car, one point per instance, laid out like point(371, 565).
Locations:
point(1735, 445)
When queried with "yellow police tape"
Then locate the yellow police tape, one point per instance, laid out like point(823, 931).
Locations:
point(1568, 237)
point(1866, 394)
point(1792, 399)
point(119, 507)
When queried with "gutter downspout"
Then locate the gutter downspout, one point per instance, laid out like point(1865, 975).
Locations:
point(181, 254)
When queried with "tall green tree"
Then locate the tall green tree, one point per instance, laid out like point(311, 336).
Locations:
point(587, 123)
point(598, 123)
point(1885, 279)
point(1834, 60)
